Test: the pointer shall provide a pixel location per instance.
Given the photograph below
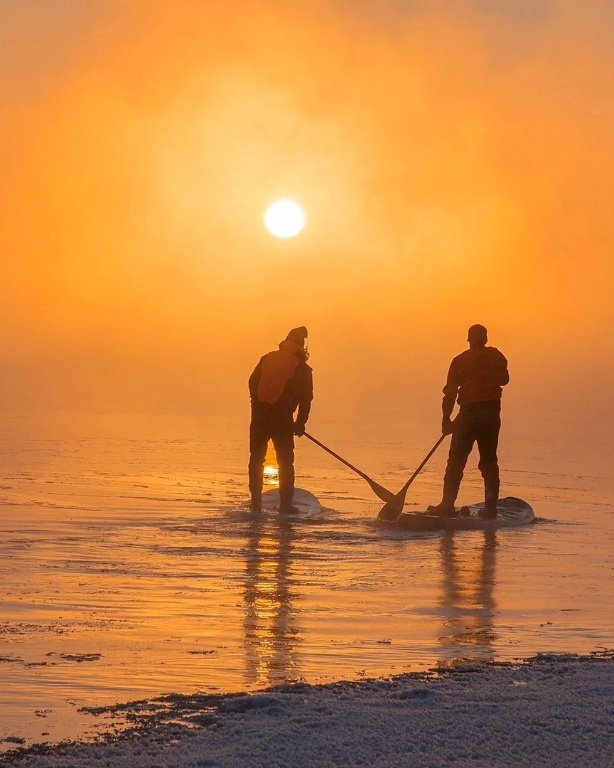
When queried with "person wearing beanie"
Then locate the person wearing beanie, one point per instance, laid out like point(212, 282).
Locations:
point(475, 381)
point(280, 384)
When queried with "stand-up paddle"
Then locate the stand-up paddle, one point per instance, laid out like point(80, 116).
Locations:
point(393, 507)
point(383, 493)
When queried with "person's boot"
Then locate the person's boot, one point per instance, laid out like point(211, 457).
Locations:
point(491, 497)
point(288, 509)
point(285, 504)
point(446, 508)
point(255, 484)
point(255, 492)
point(488, 512)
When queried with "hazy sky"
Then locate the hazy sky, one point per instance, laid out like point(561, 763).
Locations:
point(455, 160)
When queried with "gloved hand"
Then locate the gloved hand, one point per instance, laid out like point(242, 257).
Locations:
point(447, 426)
point(299, 429)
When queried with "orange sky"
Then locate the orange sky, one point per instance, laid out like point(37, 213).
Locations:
point(455, 160)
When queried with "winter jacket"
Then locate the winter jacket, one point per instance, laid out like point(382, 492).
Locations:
point(475, 376)
point(280, 383)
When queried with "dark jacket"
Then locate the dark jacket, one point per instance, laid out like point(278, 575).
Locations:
point(280, 383)
point(475, 376)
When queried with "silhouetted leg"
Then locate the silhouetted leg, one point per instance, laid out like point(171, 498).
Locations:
point(284, 448)
point(463, 438)
point(461, 445)
point(455, 469)
point(488, 440)
point(258, 441)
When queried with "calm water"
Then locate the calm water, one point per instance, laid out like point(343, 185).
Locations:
point(128, 570)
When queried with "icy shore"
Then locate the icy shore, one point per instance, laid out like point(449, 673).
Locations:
point(547, 711)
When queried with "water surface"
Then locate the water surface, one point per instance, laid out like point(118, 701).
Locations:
point(130, 570)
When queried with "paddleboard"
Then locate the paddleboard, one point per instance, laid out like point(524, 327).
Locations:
point(511, 513)
point(306, 503)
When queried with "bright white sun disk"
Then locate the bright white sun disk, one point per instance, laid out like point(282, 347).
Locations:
point(285, 218)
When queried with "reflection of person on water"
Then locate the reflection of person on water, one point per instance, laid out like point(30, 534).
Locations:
point(270, 632)
point(475, 378)
point(280, 383)
point(467, 594)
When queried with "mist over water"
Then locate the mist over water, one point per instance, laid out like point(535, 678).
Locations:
point(130, 571)
point(454, 161)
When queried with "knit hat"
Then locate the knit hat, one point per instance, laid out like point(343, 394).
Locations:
point(298, 335)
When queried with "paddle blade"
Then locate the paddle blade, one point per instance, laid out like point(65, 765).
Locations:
point(382, 493)
point(393, 508)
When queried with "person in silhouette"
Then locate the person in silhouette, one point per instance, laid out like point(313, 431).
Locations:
point(475, 380)
point(280, 383)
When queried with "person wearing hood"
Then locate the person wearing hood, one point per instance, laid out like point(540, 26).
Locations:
point(475, 381)
point(280, 384)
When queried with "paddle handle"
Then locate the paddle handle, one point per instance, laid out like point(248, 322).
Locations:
point(392, 509)
point(339, 458)
point(403, 490)
point(382, 493)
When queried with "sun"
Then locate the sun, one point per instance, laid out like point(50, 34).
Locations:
point(284, 218)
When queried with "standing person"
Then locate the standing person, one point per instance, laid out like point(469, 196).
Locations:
point(475, 379)
point(280, 383)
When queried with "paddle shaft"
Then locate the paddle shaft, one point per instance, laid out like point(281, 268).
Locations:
point(424, 461)
point(383, 493)
point(393, 508)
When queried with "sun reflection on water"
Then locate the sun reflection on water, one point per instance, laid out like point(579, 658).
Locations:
point(271, 475)
point(270, 628)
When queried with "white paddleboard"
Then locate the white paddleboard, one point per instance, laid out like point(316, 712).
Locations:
point(306, 503)
point(511, 513)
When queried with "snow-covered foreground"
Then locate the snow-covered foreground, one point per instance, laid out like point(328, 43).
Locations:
point(550, 711)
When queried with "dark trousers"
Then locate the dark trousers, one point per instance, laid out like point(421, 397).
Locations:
point(261, 430)
point(478, 422)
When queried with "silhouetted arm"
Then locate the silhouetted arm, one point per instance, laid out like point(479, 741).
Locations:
point(450, 392)
point(254, 380)
point(505, 374)
point(305, 398)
